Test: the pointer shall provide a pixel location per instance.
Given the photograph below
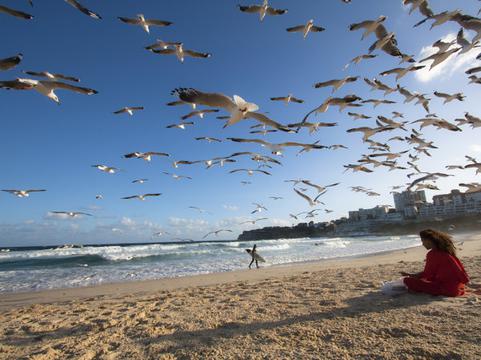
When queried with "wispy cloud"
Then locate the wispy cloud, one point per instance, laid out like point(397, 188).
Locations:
point(447, 68)
point(230, 207)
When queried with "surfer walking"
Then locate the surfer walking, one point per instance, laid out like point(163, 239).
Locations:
point(253, 253)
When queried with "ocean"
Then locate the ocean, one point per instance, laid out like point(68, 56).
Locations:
point(40, 268)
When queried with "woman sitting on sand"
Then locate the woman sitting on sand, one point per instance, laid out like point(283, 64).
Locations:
point(443, 273)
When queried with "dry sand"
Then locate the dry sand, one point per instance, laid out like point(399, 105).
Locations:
point(320, 310)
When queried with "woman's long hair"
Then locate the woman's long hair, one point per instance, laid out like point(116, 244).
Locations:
point(442, 241)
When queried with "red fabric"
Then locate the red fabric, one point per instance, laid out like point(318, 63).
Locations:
point(443, 274)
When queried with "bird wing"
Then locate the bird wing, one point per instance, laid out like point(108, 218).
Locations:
point(61, 85)
point(250, 9)
point(326, 83)
point(304, 196)
point(296, 28)
point(317, 28)
point(154, 194)
point(83, 9)
point(67, 78)
point(196, 54)
point(194, 96)
point(16, 13)
point(156, 153)
point(361, 25)
point(130, 197)
point(272, 11)
point(381, 31)
point(163, 51)
point(266, 121)
point(129, 21)
point(153, 22)
point(279, 98)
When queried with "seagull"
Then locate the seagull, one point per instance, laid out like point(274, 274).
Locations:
point(397, 114)
point(16, 13)
point(199, 113)
point(246, 182)
point(10, 62)
point(160, 233)
point(182, 125)
point(23, 193)
point(177, 177)
point(348, 100)
point(129, 110)
point(447, 98)
point(287, 99)
point(337, 146)
point(259, 208)
point(147, 156)
point(141, 197)
point(237, 107)
point(476, 166)
point(71, 214)
point(180, 52)
point(208, 139)
point(140, 20)
point(474, 79)
point(253, 221)
point(439, 57)
point(313, 127)
point(429, 176)
point(438, 123)
point(263, 132)
point(469, 119)
point(337, 83)
point(277, 149)
point(83, 9)
point(46, 88)
point(357, 116)
point(401, 72)
point(465, 44)
point(199, 209)
point(358, 59)
point(162, 44)
point(105, 168)
point(357, 167)
point(262, 10)
point(440, 18)
point(377, 102)
point(471, 187)
point(99, 197)
point(468, 23)
point(139, 181)
point(392, 123)
point(51, 76)
point(408, 95)
point(305, 29)
point(276, 197)
point(216, 232)
point(383, 87)
point(369, 26)
point(250, 172)
point(312, 202)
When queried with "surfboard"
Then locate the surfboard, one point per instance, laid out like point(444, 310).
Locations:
point(259, 258)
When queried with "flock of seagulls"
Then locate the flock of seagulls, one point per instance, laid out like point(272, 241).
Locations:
point(235, 109)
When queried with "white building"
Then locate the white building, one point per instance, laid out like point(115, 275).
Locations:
point(455, 203)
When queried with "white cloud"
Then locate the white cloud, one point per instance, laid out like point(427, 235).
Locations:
point(475, 148)
point(447, 68)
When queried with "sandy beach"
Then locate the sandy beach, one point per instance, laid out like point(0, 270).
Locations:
point(319, 310)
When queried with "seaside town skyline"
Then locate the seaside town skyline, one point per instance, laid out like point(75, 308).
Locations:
point(52, 147)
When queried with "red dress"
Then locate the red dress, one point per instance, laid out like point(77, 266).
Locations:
point(443, 275)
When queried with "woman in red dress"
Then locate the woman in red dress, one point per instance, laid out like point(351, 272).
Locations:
point(443, 273)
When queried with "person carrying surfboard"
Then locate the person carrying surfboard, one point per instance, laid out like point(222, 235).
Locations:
point(255, 256)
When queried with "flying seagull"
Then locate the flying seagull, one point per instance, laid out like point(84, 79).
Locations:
point(447, 97)
point(46, 88)
point(71, 214)
point(141, 197)
point(262, 10)
point(199, 113)
point(107, 169)
point(177, 177)
point(147, 156)
point(83, 9)
point(337, 83)
point(141, 21)
point(180, 52)
point(305, 29)
point(22, 193)
point(139, 181)
point(51, 76)
point(287, 99)
point(129, 110)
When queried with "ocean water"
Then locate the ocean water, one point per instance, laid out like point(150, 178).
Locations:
point(27, 269)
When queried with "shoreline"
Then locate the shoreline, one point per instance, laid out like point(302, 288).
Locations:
point(145, 287)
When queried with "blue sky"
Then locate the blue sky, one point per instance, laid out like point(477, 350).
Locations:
point(53, 147)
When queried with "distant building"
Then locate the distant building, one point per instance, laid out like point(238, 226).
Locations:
point(408, 203)
point(377, 212)
point(453, 204)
